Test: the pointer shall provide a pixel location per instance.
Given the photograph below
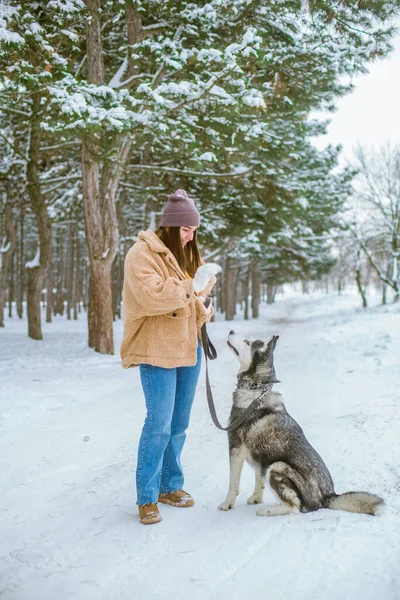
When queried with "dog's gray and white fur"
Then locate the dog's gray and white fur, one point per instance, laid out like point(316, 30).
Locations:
point(274, 444)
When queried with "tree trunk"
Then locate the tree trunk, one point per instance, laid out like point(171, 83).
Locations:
point(49, 292)
point(93, 43)
point(384, 293)
point(11, 287)
point(6, 253)
point(385, 286)
point(100, 316)
point(358, 281)
point(305, 286)
point(230, 295)
point(70, 273)
point(255, 290)
point(271, 291)
point(100, 181)
point(85, 290)
point(34, 291)
point(39, 208)
point(20, 266)
point(246, 294)
point(101, 237)
point(135, 35)
point(58, 299)
point(220, 303)
point(395, 269)
point(360, 289)
point(236, 288)
point(117, 276)
point(77, 282)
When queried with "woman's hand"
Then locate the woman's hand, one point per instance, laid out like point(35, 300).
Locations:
point(207, 303)
point(203, 276)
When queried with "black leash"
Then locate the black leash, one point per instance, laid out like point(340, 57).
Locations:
point(211, 353)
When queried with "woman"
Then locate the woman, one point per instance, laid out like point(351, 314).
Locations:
point(164, 281)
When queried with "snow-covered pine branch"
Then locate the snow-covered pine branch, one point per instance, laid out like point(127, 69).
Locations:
point(72, 177)
point(234, 174)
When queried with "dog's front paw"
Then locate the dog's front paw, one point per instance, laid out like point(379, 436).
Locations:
point(226, 505)
point(255, 499)
point(264, 512)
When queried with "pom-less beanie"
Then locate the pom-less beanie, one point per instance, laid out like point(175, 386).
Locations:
point(180, 211)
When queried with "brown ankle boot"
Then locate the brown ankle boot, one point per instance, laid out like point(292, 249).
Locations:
point(149, 513)
point(178, 498)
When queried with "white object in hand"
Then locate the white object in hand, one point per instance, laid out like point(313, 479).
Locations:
point(203, 276)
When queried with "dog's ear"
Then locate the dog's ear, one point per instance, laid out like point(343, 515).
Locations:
point(271, 343)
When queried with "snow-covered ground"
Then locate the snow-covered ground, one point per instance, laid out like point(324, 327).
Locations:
point(70, 424)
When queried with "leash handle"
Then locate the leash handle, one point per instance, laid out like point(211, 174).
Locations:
point(208, 346)
point(211, 353)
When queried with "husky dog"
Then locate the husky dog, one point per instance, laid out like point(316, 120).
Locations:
point(275, 446)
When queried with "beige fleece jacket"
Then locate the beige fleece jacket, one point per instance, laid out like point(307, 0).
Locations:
point(162, 314)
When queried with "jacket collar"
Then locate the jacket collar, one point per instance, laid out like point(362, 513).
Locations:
point(156, 245)
point(153, 241)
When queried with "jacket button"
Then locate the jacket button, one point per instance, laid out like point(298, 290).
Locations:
point(174, 314)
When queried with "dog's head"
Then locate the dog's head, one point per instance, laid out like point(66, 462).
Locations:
point(256, 357)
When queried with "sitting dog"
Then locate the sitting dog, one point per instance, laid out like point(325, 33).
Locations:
point(275, 446)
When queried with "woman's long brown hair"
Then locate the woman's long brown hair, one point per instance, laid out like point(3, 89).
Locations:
point(188, 257)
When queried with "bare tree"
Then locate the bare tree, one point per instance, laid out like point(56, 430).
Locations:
point(379, 197)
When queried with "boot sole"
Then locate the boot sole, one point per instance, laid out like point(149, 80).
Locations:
point(150, 521)
point(177, 504)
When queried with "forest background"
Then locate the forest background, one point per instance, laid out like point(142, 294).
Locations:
point(107, 107)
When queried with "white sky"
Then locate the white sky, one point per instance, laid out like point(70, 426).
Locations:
point(371, 113)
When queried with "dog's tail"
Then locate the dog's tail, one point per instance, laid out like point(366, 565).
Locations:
point(357, 502)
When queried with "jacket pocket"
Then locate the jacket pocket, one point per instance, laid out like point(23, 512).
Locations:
point(173, 333)
point(179, 313)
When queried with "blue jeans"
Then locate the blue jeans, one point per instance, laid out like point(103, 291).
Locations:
point(169, 395)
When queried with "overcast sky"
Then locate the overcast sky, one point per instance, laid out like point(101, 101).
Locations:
point(371, 113)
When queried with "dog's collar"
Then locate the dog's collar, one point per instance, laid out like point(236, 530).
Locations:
point(253, 385)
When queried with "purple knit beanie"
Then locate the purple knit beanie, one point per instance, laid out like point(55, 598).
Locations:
point(180, 211)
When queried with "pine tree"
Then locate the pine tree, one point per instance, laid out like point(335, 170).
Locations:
point(214, 96)
point(31, 61)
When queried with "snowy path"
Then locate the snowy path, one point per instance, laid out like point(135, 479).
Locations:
point(70, 423)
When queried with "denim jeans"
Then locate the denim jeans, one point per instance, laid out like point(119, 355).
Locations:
point(169, 395)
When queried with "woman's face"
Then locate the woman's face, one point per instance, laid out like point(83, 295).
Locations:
point(187, 235)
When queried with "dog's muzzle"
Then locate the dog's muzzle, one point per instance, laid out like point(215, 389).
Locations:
point(233, 348)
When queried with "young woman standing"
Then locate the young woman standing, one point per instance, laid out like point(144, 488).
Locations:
point(164, 283)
